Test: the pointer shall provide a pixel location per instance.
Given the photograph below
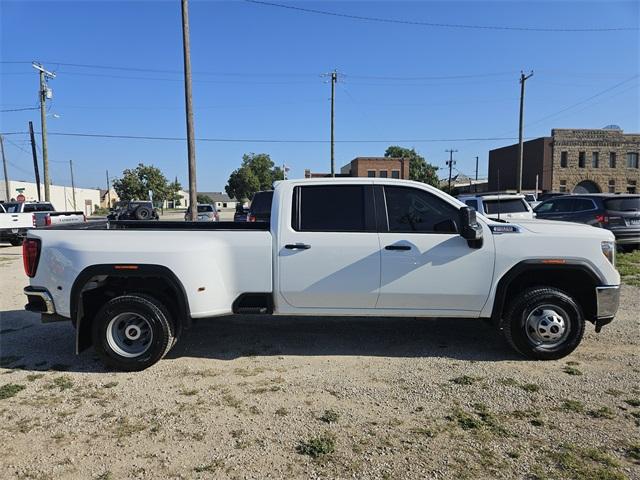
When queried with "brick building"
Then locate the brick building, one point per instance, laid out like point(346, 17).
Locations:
point(382, 167)
point(571, 160)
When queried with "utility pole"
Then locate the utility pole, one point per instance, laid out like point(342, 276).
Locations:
point(191, 142)
point(73, 186)
point(450, 163)
point(6, 175)
point(45, 93)
point(523, 78)
point(334, 79)
point(476, 187)
point(35, 159)
point(108, 191)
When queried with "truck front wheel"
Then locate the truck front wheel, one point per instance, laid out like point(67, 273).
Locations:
point(543, 323)
point(132, 332)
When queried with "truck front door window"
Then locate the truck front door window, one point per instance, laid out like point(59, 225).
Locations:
point(413, 210)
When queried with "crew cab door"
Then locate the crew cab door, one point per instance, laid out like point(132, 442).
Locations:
point(328, 249)
point(426, 264)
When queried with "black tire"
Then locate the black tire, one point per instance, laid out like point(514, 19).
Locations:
point(560, 323)
point(143, 213)
point(16, 242)
point(154, 323)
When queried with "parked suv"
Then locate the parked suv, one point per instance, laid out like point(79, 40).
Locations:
point(206, 213)
point(260, 210)
point(618, 213)
point(499, 206)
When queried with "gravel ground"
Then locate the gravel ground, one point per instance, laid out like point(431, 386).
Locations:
point(260, 397)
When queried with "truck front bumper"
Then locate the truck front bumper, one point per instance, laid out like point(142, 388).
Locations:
point(39, 300)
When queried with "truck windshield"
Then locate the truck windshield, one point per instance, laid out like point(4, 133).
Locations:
point(508, 205)
point(623, 204)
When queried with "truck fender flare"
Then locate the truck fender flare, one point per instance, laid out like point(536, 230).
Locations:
point(536, 264)
point(83, 337)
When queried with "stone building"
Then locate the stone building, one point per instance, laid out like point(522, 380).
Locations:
point(382, 167)
point(571, 160)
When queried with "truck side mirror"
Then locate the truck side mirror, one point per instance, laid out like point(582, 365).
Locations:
point(470, 229)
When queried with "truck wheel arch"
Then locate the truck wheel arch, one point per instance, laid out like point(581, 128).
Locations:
point(559, 275)
point(159, 273)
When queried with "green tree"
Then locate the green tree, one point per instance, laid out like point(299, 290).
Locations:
point(419, 169)
point(256, 173)
point(136, 183)
point(204, 199)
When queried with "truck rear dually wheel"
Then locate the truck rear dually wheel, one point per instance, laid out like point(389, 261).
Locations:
point(132, 332)
point(543, 323)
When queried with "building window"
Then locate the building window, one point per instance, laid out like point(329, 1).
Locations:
point(612, 186)
point(395, 173)
point(632, 160)
point(371, 173)
point(564, 159)
point(632, 186)
point(581, 159)
point(612, 159)
point(563, 185)
point(383, 174)
point(595, 159)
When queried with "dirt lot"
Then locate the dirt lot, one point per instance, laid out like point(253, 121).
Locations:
point(259, 397)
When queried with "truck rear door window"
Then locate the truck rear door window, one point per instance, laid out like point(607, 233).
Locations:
point(508, 205)
point(333, 208)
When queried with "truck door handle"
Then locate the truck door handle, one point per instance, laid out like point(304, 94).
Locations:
point(297, 246)
point(397, 247)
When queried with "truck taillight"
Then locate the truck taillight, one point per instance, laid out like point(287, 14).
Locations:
point(251, 218)
point(602, 219)
point(33, 219)
point(30, 256)
point(47, 220)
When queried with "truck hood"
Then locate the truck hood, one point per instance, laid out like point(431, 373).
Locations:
point(565, 229)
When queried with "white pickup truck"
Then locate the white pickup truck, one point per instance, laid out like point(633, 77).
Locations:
point(355, 246)
point(17, 217)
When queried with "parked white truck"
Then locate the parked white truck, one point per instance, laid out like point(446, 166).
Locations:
point(356, 246)
point(17, 217)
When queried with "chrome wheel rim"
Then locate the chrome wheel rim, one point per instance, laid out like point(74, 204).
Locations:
point(129, 334)
point(547, 326)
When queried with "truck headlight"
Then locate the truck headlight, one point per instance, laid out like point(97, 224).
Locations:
point(609, 251)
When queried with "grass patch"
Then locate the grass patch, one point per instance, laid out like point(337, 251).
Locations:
point(628, 264)
point(209, 467)
point(125, 428)
point(230, 401)
point(602, 412)
point(464, 380)
point(569, 370)
point(34, 376)
point(530, 387)
point(272, 388)
point(105, 476)
point(586, 463)
point(10, 390)
point(613, 392)
point(317, 446)
point(634, 402)
point(63, 382)
point(330, 416)
point(282, 412)
point(424, 432)
point(508, 382)
point(575, 406)
point(189, 392)
point(633, 452)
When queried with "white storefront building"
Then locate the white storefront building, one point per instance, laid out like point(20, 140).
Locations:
point(61, 196)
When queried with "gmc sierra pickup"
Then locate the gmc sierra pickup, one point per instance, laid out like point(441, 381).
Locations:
point(17, 217)
point(356, 246)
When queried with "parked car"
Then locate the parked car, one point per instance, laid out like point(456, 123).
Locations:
point(242, 214)
point(350, 246)
point(618, 213)
point(260, 209)
point(499, 206)
point(206, 213)
point(133, 210)
point(17, 217)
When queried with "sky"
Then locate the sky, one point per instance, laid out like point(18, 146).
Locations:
point(257, 75)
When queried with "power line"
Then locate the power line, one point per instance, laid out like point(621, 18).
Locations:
point(441, 25)
point(260, 140)
point(19, 109)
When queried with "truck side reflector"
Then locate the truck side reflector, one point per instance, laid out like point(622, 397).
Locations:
point(554, 261)
point(126, 267)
